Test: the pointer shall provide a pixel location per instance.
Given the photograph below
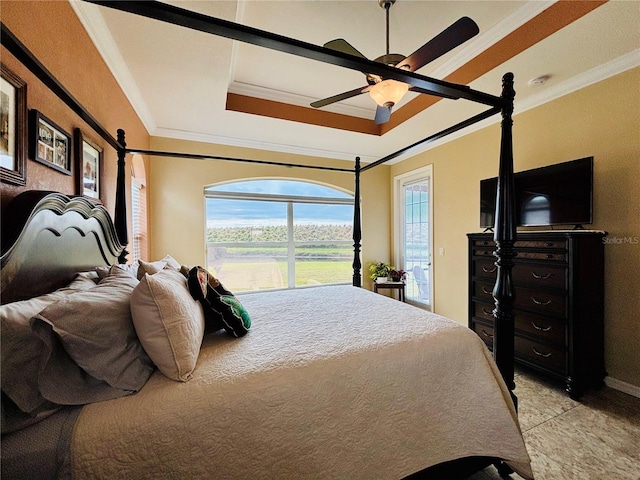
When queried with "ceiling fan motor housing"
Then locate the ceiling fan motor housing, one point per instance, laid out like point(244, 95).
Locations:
point(391, 59)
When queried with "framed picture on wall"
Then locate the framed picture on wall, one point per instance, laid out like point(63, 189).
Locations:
point(50, 144)
point(13, 128)
point(88, 159)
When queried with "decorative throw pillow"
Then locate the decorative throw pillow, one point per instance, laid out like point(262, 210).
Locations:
point(222, 308)
point(169, 323)
point(21, 347)
point(154, 267)
point(130, 268)
point(91, 351)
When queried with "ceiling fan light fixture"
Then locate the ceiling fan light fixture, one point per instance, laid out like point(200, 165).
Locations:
point(388, 92)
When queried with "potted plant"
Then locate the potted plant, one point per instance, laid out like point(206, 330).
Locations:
point(379, 271)
point(397, 275)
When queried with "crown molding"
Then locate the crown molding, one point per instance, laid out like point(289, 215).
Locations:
point(260, 145)
point(595, 75)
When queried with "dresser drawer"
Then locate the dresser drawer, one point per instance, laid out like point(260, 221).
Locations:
point(484, 252)
point(553, 276)
point(483, 290)
point(556, 244)
point(483, 310)
point(484, 243)
point(546, 256)
point(541, 354)
point(485, 268)
point(541, 328)
point(485, 332)
point(542, 244)
point(540, 275)
point(541, 302)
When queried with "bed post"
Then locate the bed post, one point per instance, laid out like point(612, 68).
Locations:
point(357, 229)
point(505, 237)
point(120, 217)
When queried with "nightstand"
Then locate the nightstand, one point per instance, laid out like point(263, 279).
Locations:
point(399, 286)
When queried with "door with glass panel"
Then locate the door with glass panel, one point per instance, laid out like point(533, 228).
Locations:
point(414, 233)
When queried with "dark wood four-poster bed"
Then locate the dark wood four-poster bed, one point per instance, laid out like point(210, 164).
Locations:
point(347, 397)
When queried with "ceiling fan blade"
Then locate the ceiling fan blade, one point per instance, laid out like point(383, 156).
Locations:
point(341, 45)
point(342, 96)
point(383, 114)
point(452, 36)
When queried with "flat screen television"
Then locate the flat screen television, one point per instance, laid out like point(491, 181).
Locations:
point(560, 194)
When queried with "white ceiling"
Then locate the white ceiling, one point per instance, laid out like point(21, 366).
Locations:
point(178, 79)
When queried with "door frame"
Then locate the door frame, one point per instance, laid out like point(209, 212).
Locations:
point(398, 225)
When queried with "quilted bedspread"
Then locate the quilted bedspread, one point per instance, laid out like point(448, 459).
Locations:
point(331, 382)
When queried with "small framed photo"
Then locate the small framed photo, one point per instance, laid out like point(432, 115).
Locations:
point(88, 159)
point(13, 128)
point(50, 144)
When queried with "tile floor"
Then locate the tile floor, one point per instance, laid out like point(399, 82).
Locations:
point(597, 438)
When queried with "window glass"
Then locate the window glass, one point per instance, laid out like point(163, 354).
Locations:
point(272, 234)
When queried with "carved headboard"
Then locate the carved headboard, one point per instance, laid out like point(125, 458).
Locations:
point(47, 237)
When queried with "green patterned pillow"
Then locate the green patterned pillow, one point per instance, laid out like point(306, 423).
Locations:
point(222, 308)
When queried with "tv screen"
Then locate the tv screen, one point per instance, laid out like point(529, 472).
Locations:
point(560, 194)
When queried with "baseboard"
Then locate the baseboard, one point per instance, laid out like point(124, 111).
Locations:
point(622, 386)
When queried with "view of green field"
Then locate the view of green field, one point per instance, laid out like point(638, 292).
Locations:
point(265, 267)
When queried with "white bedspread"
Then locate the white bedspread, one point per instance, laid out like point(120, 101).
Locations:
point(331, 382)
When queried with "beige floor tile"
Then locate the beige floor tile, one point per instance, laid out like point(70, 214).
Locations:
point(597, 438)
point(539, 402)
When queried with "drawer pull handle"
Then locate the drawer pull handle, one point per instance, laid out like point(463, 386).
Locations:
point(542, 329)
point(540, 354)
point(488, 292)
point(538, 302)
point(484, 310)
point(540, 277)
point(486, 334)
point(548, 244)
point(489, 270)
point(485, 243)
point(549, 256)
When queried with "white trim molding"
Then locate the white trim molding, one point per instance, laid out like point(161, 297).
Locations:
point(622, 386)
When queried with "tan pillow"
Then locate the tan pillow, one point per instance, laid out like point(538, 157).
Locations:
point(154, 267)
point(130, 268)
point(90, 348)
point(20, 348)
point(169, 322)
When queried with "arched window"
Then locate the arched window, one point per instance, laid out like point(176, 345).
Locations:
point(139, 208)
point(270, 234)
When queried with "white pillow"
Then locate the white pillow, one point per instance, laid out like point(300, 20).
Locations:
point(169, 322)
point(154, 267)
point(130, 268)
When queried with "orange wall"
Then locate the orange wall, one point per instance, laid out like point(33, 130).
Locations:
point(52, 32)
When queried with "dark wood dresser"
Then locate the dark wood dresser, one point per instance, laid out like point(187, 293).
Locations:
point(559, 307)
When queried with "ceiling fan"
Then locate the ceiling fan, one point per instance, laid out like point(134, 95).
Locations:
point(386, 93)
